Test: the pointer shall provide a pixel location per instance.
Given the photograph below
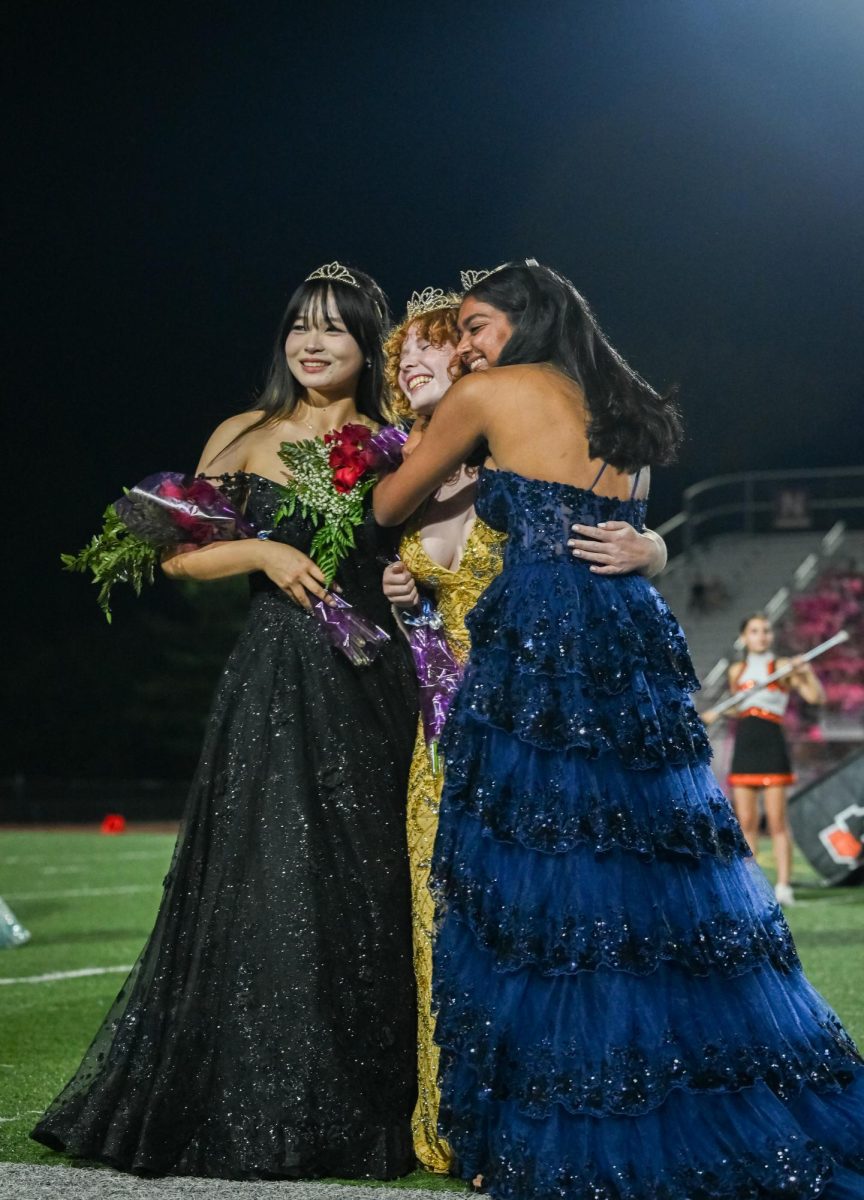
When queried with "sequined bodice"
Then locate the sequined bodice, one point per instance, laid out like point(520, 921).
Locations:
point(456, 592)
point(537, 514)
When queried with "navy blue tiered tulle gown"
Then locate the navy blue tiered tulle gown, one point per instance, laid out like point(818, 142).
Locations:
point(622, 1013)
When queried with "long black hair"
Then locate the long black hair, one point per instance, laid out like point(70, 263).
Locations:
point(630, 424)
point(364, 313)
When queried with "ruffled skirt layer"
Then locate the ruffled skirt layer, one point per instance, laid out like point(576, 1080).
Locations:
point(622, 1013)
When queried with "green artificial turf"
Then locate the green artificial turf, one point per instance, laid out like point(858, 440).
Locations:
point(89, 900)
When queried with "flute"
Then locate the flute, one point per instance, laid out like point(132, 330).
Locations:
point(746, 697)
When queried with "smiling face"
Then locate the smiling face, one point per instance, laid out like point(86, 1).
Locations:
point(321, 354)
point(424, 370)
point(484, 332)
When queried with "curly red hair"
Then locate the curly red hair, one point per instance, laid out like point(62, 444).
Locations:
point(439, 326)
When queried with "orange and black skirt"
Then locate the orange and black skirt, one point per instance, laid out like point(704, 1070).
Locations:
point(761, 756)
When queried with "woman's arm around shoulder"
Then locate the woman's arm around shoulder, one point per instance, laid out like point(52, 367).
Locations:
point(457, 425)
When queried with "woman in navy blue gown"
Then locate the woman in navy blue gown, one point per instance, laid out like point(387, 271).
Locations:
point(622, 1013)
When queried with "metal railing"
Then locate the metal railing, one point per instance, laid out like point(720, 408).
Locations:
point(715, 681)
point(758, 501)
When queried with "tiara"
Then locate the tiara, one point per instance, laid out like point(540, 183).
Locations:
point(333, 271)
point(429, 300)
point(470, 278)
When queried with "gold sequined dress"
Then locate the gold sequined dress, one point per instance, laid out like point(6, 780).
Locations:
point(456, 593)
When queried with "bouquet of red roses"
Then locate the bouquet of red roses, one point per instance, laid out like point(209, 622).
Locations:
point(329, 478)
point(164, 510)
point(168, 509)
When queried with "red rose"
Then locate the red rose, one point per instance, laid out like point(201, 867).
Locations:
point(340, 456)
point(200, 491)
point(171, 490)
point(355, 435)
point(345, 478)
point(350, 457)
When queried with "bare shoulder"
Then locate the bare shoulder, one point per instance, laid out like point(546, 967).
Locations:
point(516, 371)
point(495, 382)
point(472, 386)
point(735, 673)
point(643, 487)
point(239, 423)
point(222, 448)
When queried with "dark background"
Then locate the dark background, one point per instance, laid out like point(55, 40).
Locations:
point(173, 170)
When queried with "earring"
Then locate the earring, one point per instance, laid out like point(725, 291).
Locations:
point(368, 362)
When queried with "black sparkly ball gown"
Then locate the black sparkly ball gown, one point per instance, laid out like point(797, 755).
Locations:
point(268, 1028)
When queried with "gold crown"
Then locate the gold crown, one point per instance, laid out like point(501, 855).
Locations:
point(333, 270)
point(429, 300)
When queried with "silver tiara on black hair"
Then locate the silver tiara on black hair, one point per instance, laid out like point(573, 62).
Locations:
point(470, 278)
point(333, 271)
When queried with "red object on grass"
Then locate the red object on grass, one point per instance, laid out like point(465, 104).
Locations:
point(113, 823)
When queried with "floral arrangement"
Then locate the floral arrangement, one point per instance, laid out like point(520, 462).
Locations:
point(329, 479)
point(114, 555)
point(164, 510)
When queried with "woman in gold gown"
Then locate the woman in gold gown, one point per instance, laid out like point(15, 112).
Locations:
point(448, 551)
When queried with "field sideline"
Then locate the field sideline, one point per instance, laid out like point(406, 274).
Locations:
point(89, 901)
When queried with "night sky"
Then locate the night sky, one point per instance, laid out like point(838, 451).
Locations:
point(173, 170)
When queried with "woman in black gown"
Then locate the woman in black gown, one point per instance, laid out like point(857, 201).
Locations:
point(267, 1029)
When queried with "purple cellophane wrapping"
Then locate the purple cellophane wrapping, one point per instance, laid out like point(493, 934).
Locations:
point(386, 446)
point(356, 636)
point(170, 509)
point(438, 672)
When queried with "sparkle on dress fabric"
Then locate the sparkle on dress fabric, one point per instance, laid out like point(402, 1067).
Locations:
point(268, 1029)
point(621, 1011)
point(456, 593)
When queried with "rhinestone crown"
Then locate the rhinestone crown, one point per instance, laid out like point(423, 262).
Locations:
point(469, 278)
point(429, 300)
point(333, 270)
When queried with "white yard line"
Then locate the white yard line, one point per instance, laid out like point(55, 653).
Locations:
point(72, 893)
point(53, 976)
point(124, 855)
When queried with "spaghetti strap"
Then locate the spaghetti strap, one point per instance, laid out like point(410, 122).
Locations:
point(598, 476)
point(635, 484)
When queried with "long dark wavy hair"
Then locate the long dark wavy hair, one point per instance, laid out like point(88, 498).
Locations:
point(630, 424)
point(364, 314)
